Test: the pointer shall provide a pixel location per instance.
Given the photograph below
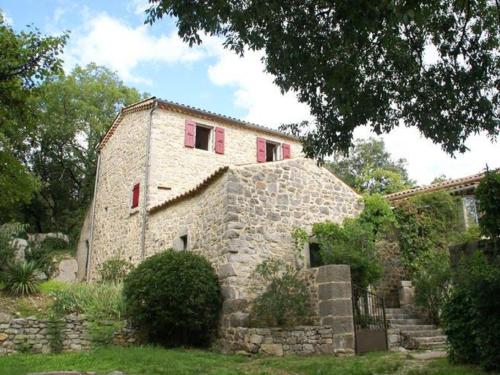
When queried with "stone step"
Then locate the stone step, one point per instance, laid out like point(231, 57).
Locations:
point(431, 340)
point(433, 346)
point(412, 327)
point(422, 333)
point(401, 316)
point(405, 321)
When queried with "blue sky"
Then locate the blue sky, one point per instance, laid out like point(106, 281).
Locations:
point(153, 59)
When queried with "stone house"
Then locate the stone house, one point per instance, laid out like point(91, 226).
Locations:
point(174, 176)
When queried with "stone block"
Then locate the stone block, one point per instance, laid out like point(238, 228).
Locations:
point(334, 273)
point(226, 270)
point(343, 341)
point(339, 307)
point(234, 305)
point(334, 290)
point(272, 349)
point(339, 324)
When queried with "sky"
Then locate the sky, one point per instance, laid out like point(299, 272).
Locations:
point(154, 59)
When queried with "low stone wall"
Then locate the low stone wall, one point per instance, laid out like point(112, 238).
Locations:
point(33, 335)
point(303, 340)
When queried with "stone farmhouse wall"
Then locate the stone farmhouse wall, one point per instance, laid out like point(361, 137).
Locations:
point(176, 168)
point(246, 216)
point(173, 169)
point(117, 227)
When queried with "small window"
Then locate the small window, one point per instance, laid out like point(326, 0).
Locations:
point(315, 255)
point(271, 151)
point(203, 137)
point(184, 242)
point(135, 196)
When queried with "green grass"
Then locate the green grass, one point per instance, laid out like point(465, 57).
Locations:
point(158, 361)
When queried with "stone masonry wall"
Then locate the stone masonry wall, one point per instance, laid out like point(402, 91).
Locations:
point(393, 272)
point(202, 218)
point(333, 330)
point(303, 340)
point(32, 335)
point(117, 227)
point(246, 216)
point(266, 202)
point(176, 168)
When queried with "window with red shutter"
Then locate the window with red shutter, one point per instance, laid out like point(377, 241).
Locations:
point(219, 140)
point(135, 195)
point(285, 148)
point(261, 150)
point(189, 133)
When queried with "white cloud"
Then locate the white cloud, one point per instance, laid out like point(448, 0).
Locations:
point(256, 92)
point(254, 89)
point(138, 7)
point(110, 42)
point(8, 20)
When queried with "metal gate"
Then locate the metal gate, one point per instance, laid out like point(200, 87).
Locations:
point(370, 328)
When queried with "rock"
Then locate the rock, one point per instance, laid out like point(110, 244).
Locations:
point(66, 270)
point(3, 337)
point(20, 245)
point(272, 349)
point(429, 355)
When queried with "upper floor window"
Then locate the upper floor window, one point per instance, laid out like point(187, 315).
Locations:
point(204, 137)
point(271, 151)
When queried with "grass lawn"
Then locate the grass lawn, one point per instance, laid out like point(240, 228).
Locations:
point(151, 361)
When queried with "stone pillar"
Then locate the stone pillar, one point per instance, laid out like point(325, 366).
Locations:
point(406, 294)
point(334, 304)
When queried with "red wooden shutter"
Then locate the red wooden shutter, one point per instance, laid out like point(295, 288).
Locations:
point(135, 196)
point(219, 140)
point(285, 150)
point(189, 133)
point(261, 150)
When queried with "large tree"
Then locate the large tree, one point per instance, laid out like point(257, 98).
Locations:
point(365, 62)
point(74, 112)
point(370, 168)
point(27, 59)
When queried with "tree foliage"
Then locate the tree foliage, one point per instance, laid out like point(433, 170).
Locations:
point(370, 168)
point(366, 63)
point(73, 113)
point(488, 194)
point(27, 59)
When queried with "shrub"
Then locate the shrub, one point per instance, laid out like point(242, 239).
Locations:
point(432, 279)
point(285, 301)
point(21, 278)
point(174, 298)
point(114, 270)
point(54, 244)
point(378, 214)
point(353, 243)
point(102, 304)
point(8, 232)
point(488, 194)
point(470, 316)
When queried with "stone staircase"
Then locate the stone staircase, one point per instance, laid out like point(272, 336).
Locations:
point(406, 328)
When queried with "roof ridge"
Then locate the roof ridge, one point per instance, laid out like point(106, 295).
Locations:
point(431, 187)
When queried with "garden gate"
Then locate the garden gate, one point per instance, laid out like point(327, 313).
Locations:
point(370, 328)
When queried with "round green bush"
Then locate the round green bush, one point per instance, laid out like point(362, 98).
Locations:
point(174, 299)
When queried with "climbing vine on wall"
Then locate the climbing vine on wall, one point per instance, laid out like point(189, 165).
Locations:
point(427, 222)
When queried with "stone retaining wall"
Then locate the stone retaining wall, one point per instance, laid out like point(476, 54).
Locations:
point(33, 335)
point(303, 340)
